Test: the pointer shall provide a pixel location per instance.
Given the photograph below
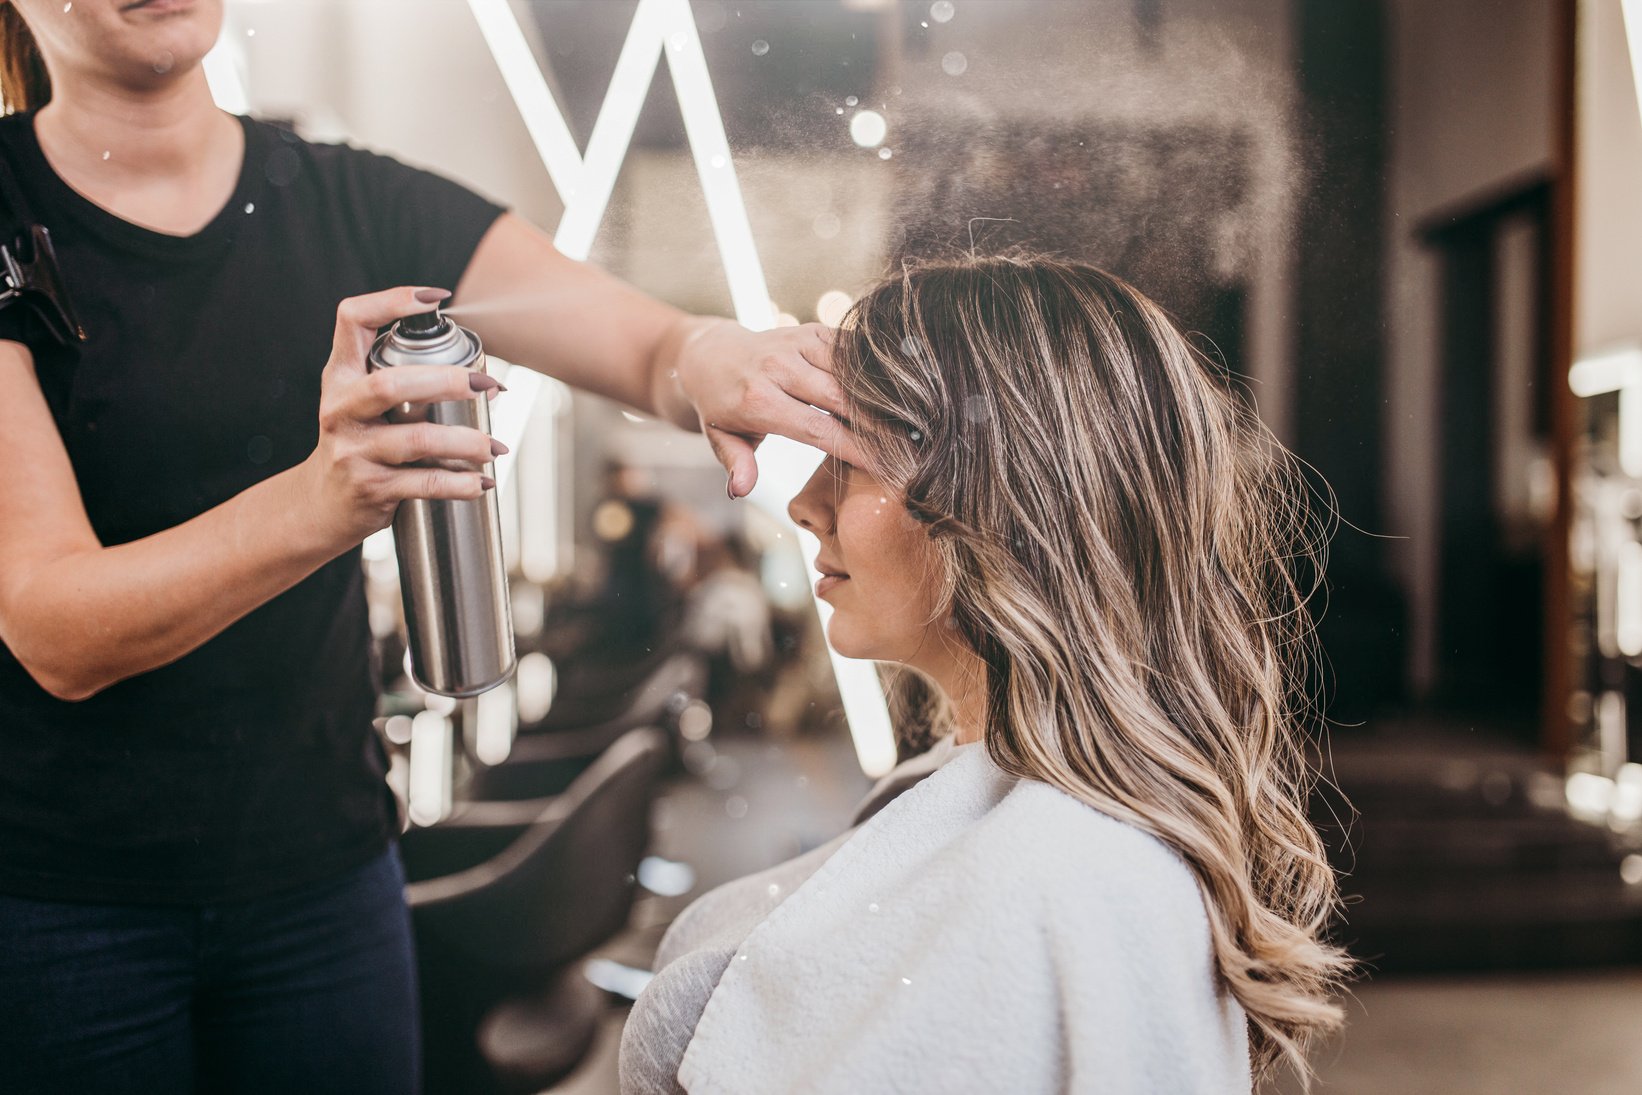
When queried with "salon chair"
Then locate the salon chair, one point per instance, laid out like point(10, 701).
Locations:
point(605, 694)
point(543, 762)
point(504, 1005)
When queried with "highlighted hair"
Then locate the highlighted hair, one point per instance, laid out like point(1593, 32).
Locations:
point(24, 84)
point(1131, 554)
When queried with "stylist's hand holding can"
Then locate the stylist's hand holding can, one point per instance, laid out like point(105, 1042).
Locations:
point(364, 466)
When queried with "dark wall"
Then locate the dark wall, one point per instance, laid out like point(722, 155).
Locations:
point(1339, 396)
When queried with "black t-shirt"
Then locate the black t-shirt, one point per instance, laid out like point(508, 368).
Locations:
point(249, 765)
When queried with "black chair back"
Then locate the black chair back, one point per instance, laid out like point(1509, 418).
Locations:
point(502, 936)
point(562, 887)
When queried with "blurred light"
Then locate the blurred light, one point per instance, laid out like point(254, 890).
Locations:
point(612, 976)
point(1632, 10)
point(699, 757)
point(1617, 370)
point(545, 547)
point(529, 609)
point(736, 807)
point(666, 878)
point(1630, 430)
point(495, 721)
point(429, 784)
point(384, 620)
point(536, 681)
point(832, 306)
point(1610, 729)
point(695, 722)
point(1589, 794)
point(826, 226)
point(885, 153)
point(378, 545)
point(612, 520)
point(398, 729)
point(1627, 798)
point(1628, 599)
point(1630, 869)
point(868, 128)
point(954, 64)
point(225, 73)
point(1608, 371)
point(511, 414)
point(942, 11)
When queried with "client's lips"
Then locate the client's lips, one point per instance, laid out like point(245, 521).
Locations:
point(830, 576)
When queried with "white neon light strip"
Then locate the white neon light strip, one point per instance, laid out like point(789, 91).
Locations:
point(585, 185)
point(1616, 370)
point(224, 67)
point(1632, 10)
point(1608, 371)
point(705, 130)
point(542, 118)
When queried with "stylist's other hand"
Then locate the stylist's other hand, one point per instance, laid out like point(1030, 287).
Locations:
point(364, 466)
point(745, 385)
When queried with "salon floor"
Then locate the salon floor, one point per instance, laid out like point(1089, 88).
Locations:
point(751, 804)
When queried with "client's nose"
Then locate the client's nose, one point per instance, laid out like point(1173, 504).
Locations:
point(811, 509)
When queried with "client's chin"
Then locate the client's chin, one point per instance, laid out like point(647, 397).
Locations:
point(845, 637)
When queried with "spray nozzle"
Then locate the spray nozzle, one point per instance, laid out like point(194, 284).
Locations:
point(424, 325)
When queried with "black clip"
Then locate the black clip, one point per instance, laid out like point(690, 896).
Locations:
point(31, 277)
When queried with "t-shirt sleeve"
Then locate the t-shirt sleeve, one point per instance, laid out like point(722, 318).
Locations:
point(422, 227)
point(17, 324)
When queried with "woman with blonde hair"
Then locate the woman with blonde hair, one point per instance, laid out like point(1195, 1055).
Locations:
point(1071, 524)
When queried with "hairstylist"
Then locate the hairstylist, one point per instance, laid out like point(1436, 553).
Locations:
point(198, 887)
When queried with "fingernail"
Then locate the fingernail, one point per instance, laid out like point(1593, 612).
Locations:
point(484, 382)
point(432, 296)
point(487, 483)
point(729, 488)
point(497, 448)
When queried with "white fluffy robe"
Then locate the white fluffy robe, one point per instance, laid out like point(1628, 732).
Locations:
point(980, 934)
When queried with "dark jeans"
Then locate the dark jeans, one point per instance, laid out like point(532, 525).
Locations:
point(308, 991)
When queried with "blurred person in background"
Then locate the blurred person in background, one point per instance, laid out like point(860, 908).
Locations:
point(1070, 524)
point(198, 880)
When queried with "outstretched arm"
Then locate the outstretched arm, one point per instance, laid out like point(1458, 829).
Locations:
point(533, 306)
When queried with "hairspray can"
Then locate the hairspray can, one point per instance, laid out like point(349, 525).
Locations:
point(451, 574)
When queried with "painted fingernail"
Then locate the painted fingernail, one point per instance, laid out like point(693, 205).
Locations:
point(483, 382)
point(432, 296)
point(497, 448)
point(486, 483)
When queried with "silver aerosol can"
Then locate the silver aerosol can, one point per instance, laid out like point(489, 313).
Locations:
point(450, 552)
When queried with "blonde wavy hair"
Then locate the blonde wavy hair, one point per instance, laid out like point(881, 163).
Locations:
point(1131, 553)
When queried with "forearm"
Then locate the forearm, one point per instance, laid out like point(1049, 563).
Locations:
point(83, 621)
point(534, 307)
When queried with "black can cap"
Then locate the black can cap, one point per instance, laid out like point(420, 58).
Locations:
point(424, 325)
